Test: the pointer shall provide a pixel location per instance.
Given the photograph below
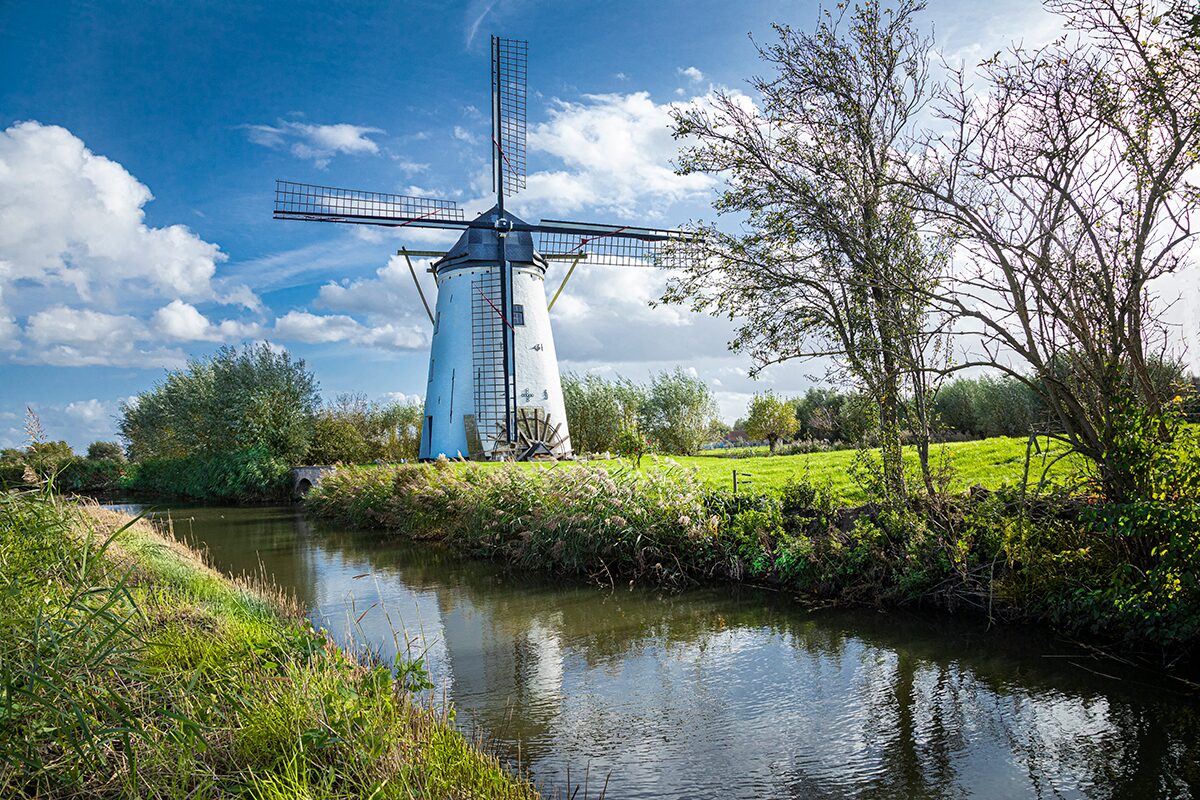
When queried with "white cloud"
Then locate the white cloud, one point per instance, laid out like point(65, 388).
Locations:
point(316, 328)
point(390, 293)
point(73, 337)
point(9, 330)
point(410, 167)
point(617, 151)
point(184, 322)
point(477, 12)
point(691, 73)
point(91, 414)
point(464, 135)
point(402, 398)
point(73, 220)
point(311, 328)
point(316, 143)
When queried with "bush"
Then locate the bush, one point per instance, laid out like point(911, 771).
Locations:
point(253, 398)
point(105, 451)
point(354, 431)
point(245, 475)
point(91, 476)
point(598, 410)
point(678, 412)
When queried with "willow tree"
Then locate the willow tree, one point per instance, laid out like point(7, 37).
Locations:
point(830, 261)
point(1065, 170)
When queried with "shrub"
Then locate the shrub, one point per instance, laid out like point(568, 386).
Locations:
point(105, 451)
point(252, 398)
point(244, 475)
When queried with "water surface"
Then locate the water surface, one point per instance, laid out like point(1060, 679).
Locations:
point(730, 692)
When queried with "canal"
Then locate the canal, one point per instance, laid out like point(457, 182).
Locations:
point(726, 692)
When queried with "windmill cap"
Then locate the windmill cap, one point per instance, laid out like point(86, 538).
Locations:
point(479, 246)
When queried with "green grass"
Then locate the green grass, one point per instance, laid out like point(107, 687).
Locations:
point(991, 463)
point(132, 669)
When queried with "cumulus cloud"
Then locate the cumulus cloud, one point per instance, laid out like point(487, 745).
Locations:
point(92, 414)
point(390, 293)
point(74, 337)
point(402, 398)
point(691, 73)
point(303, 326)
point(617, 153)
point(184, 322)
point(316, 143)
point(605, 312)
point(75, 220)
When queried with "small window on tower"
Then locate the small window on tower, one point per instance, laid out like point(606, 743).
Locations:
point(518, 315)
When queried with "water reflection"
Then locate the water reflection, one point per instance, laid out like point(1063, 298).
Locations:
point(726, 693)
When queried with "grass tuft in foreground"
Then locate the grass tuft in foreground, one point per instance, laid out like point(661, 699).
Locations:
point(131, 669)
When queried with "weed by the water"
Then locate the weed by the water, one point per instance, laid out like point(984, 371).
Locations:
point(131, 669)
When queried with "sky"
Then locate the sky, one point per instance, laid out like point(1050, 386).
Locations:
point(140, 142)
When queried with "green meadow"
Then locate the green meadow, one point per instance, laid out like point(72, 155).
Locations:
point(991, 463)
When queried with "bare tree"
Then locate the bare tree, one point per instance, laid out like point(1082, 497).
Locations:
point(831, 261)
point(1064, 177)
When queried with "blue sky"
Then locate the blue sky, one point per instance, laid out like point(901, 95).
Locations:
point(203, 105)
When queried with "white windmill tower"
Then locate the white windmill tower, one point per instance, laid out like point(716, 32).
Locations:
point(494, 390)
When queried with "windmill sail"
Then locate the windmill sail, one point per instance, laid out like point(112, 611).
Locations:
point(614, 245)
point(510, 77)
point(329, 204)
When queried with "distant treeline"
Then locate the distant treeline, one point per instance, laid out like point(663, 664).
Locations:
point(964, 408)
point(101, 470)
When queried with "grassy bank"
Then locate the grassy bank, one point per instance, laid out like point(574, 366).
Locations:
point(131, 669)
point(1130, 573)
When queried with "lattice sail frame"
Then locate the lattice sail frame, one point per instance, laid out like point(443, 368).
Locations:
point(619, 247)
point(510, 81)
point(309, 201)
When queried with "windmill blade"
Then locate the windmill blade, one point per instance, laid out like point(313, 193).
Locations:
point(510, 79)
point(615, 245)
point(329, 204)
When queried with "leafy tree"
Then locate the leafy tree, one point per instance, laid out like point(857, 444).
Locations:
point(858, 418)
point(105, 451)
point(678, 412)
point(832, 262)
point(1065, 175)
point(599, 409)
point(632, 443)
point(817, 414)
point(336, 439)
point(353, 430)
point(771, 419)
point(251, 398)
point(400, 431)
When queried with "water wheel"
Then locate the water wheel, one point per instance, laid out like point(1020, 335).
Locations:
point(538, 438)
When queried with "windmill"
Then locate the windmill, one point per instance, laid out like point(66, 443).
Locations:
point(494, 390)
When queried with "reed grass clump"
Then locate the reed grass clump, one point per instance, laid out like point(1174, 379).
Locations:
point(590, 520)
point(130, 669)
